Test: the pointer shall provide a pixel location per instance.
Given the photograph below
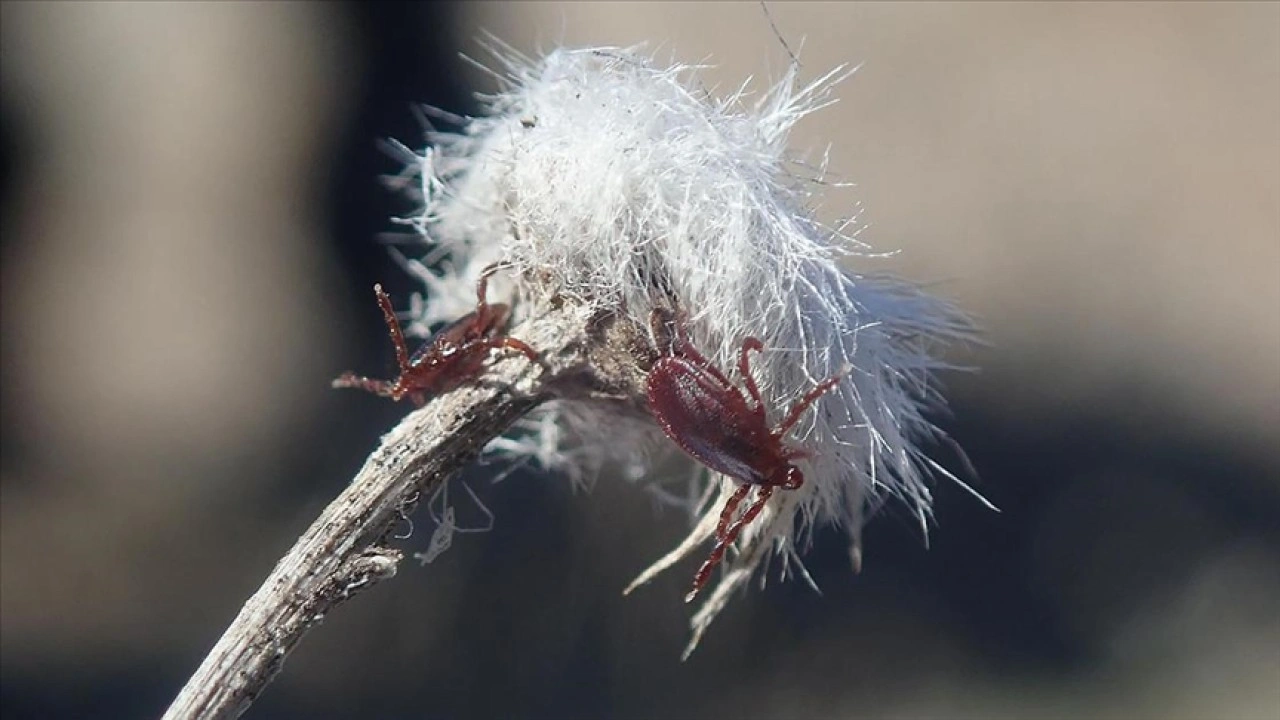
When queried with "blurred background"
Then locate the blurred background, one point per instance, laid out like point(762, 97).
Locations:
point(192, 205)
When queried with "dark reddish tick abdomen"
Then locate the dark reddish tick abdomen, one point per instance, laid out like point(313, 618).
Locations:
point(710, 421)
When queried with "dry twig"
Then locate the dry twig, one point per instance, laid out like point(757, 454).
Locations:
point(347, 549)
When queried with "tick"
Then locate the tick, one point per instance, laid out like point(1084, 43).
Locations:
point(454, 355)
point(711, 419)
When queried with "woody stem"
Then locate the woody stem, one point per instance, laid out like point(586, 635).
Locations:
point(347, 549)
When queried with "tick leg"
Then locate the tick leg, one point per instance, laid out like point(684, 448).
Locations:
point(745, 369)
point(822, 388)
point(469, 350)
point(482, 287)
point(681, 347)
point(482, 284)
point(658, 329)
point(723, 543)
point(730, 507)
point(514, 344)
point(486, 318)
point(377, 387)
point(393, 326)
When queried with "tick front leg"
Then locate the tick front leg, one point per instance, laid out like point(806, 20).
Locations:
point(660, 320)
point(482, 286)
point(681, 346)
point(482, 283)
point(393, 327)
point(744, 368)
point(377, 387)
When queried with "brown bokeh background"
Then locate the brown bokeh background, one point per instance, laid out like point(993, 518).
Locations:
point(191, 216)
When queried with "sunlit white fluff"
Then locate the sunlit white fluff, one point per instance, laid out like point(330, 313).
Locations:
point(619, 179)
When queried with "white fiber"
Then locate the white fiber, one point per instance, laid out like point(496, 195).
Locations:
point(626, 184)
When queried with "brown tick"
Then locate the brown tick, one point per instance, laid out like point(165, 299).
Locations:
point(713, 421)
point(454, 355)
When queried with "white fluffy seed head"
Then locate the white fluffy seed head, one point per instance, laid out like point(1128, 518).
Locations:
point(630, 186)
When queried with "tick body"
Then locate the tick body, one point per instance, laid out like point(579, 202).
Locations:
point(713, 421)
point(454, 355)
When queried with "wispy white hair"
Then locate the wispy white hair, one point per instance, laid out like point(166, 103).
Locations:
point(626, 184)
